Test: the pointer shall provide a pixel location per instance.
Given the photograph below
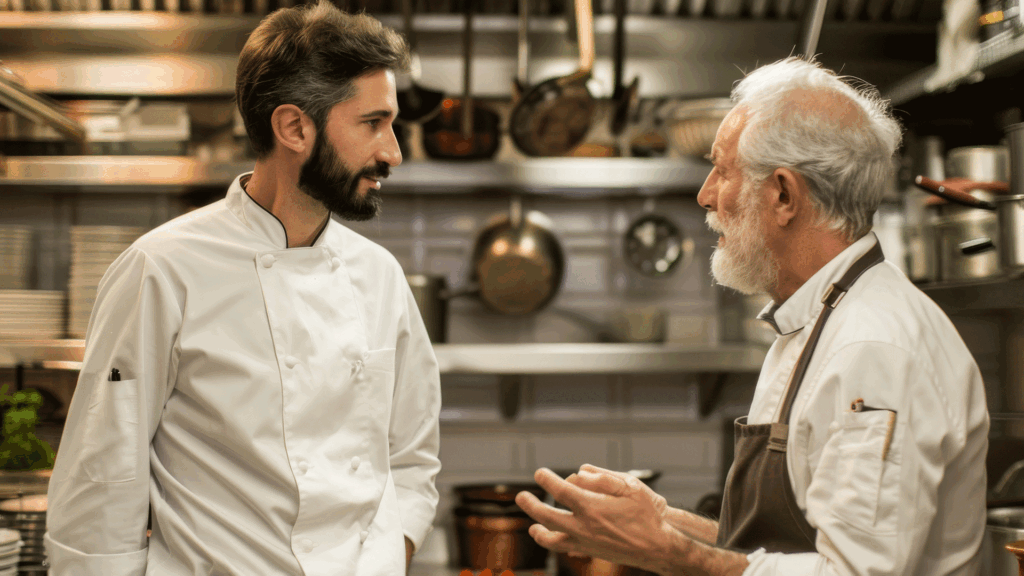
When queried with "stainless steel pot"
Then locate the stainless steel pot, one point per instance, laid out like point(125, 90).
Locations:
point(431, 294)
point(969, 239)
point(953, 231)
point(1004, 526)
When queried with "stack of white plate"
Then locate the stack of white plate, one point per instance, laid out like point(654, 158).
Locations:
point(15, 256)
point(10, 551)
point(31, 314)
point(27, 516)
point(93, 249)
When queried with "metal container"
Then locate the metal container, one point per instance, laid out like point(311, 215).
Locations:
point(919, 236)
point(1005, 525)
point(492, 531)
point(978, 163)
point(430, 292)
point(951, 231)
point(1011, 208)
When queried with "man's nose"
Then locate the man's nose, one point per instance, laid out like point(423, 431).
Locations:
point(391, 153)
point(706, 196)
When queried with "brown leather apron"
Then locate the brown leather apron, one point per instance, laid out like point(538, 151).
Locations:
point(759, 509)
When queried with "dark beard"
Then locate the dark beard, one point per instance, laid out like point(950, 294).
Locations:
point(326, 179)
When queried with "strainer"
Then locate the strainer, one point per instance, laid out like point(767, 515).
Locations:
point(693, 124)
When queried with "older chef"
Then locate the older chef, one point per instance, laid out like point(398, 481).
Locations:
point(276, 399)
point(864, 448)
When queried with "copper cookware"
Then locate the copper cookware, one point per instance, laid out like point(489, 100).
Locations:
point(493, 532)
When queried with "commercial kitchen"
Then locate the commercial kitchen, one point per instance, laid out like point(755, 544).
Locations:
point(117, 116)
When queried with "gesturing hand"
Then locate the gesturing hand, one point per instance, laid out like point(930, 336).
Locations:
point(611, 515)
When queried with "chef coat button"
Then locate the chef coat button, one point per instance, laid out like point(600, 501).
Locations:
point(307, 546)
point(303, 466)
point(362, 536)
point(335, 263)
point(355, 462)
point(268, 260)
point(291, 361)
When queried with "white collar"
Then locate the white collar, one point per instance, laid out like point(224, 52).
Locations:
point(804, 305)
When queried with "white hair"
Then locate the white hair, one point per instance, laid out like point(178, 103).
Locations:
point(845, 151)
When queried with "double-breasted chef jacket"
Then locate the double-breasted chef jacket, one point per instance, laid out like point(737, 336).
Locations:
point(278, 408)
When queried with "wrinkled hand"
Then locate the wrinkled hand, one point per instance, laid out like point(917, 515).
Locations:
point(611, 515)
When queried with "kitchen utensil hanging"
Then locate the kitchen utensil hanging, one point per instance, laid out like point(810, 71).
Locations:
point(518, 262)
point(555, 116)
point(415, 102)
point(463, 129)
point(655, 245)
point(517, 268)
point(624, 98)
point(521, 83)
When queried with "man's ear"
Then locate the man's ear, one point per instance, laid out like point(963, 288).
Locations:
point(293, 129)
point(787, 196)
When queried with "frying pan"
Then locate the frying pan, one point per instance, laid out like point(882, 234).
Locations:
point(554, 116)
point(624, 97)
point(416, 102)
point(518, 262)
point(655, 246)
point(463, 130)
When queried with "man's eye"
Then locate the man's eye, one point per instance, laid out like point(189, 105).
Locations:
point(374, 123)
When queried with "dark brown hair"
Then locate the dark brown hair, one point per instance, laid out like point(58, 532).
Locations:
point(309, 56)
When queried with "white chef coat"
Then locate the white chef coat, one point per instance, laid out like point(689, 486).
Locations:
point(278, 408)
point(921, 510)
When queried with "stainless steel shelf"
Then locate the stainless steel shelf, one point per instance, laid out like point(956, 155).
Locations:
point(1005, 292)
point(997, 54)
point(596, 358)
point(182, 55)
point(542, 175)
point(498, 359)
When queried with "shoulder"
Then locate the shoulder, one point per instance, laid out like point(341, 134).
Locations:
point(358, 250)
point(885, 307)
point(168, 239)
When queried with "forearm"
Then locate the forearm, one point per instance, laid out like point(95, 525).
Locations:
point(687, 557)
point(692, 525)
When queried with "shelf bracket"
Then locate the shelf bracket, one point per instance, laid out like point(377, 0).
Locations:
point(509, 392)
point(709, 388)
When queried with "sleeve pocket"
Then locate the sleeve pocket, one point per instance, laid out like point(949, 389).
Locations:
point(867, 490)
point(110, 442)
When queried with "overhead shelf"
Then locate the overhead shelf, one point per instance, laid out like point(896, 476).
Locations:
point(1005, 292)
point(496, 359)
point(997, 54)
point(592, 176)
point(163, 55)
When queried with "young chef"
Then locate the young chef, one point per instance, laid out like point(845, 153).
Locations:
point(256, 373)
point(865, 457)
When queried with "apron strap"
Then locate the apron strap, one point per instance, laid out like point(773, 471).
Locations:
point(831, 299)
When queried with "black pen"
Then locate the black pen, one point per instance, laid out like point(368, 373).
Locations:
point(115, 375)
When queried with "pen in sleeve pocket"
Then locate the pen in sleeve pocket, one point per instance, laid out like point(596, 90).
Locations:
point(115, 375)
point(859, 406)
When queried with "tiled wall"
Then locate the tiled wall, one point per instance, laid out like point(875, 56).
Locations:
point(435, 235)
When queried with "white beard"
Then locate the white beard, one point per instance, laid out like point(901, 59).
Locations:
point(744, 263)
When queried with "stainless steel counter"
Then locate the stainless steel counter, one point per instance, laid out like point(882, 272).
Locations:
point(491, 358)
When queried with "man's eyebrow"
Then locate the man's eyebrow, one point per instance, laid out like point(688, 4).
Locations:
point(377, 114)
